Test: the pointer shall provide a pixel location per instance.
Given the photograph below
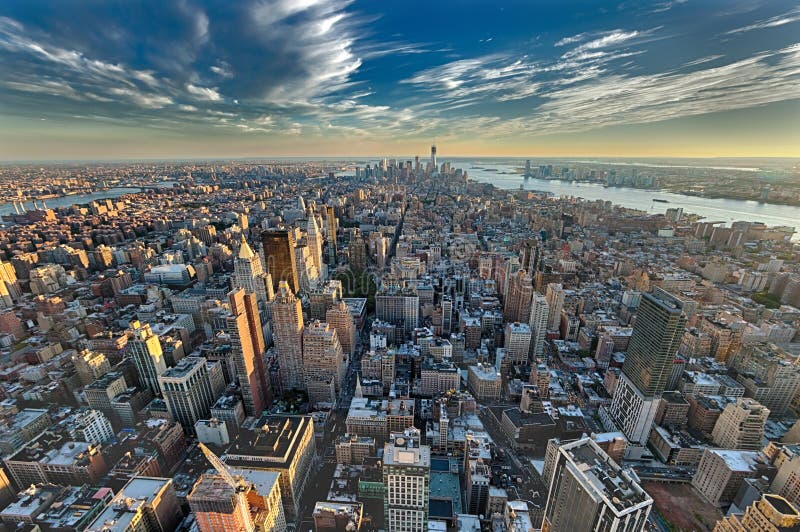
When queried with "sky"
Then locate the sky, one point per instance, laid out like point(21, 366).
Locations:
point(105, 79)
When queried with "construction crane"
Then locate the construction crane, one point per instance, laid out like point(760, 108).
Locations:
point(221, 468)
point(238, 484)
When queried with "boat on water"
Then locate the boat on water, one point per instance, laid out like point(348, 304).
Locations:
point(657, 200)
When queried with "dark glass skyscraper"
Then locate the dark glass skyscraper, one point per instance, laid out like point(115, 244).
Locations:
point(279, 254)
point(660, 324)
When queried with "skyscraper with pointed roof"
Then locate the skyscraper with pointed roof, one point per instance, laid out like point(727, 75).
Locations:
point(249, 275)
point(314, 239)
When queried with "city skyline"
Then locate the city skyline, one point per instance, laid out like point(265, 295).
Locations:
point(675, 78)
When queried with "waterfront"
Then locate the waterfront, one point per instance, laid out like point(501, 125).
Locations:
point(77, 199)
point(712, 209)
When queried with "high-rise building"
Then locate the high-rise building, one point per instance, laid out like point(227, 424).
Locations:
point(341, 319)
point(652, 348)
point(555, 303)
point(189, 390)
point(90, 365)
point(538, 323)
point(253, 504)
point(323, 362)
point(447, 314)
point(314, 238)
point(406, 478)
point(283, 444)
point(398, 306)
point(434, 162)
point(772, 513)
point(517, 306)
point(287, 333)
point(477, 475)
point(333, 226)
point(741, 425)
point(145, 349)
point(588, 491)
point(279, 255)
point(518, 343)
point(243, 326)
point(249, 275)
point(721, 472)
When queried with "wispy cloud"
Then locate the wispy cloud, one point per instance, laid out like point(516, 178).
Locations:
point(772, 22)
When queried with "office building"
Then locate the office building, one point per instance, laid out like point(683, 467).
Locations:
point(282, 444)
point(341, 319)
point(652, 348)
point(517, 305)
point(333, 226)
point(589, 491)
point(477, 477)
point(90, 365)
point(406, 477)
point(249, 275)
point(769, 374)
point(253, 504)
point(314, 240)
point(323, 362)
point(538, 319)
point(279, 255)
point(741, 425)
point(287, 333)
point(189, 389)
point(721, 472)
point(555, 303)
point(243, 325)
point(484, 382)
point(53, 457)
point(517, 343)
point(772, 513)
point(398, 306)
point(145, 350)
point(144, 504)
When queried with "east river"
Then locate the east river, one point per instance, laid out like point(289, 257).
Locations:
point(722, 210)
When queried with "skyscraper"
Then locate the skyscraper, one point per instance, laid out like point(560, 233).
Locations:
point(279, 256)
point(741, 425)
point(323, 362)
point(188, 390)
point(588, 491)
point(654, 342)
point(314, 238)
point(287, 325)
point(249, 274)
point(247, 342)
point(434, 162)
point(406, 478)
point(517, 305)
point(538, 322)
point(517, 343)
point(341, 319)
point(145, 349)
point(447, 314)
point(332, 229)
point(555, 303)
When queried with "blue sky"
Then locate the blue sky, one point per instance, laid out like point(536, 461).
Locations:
point(104, 79)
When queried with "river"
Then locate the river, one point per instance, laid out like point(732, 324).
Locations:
point(718, 209)
point(66, 201)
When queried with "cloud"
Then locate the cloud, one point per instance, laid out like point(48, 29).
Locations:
point(204, 93)
point(618, 99)
point(772, 22)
